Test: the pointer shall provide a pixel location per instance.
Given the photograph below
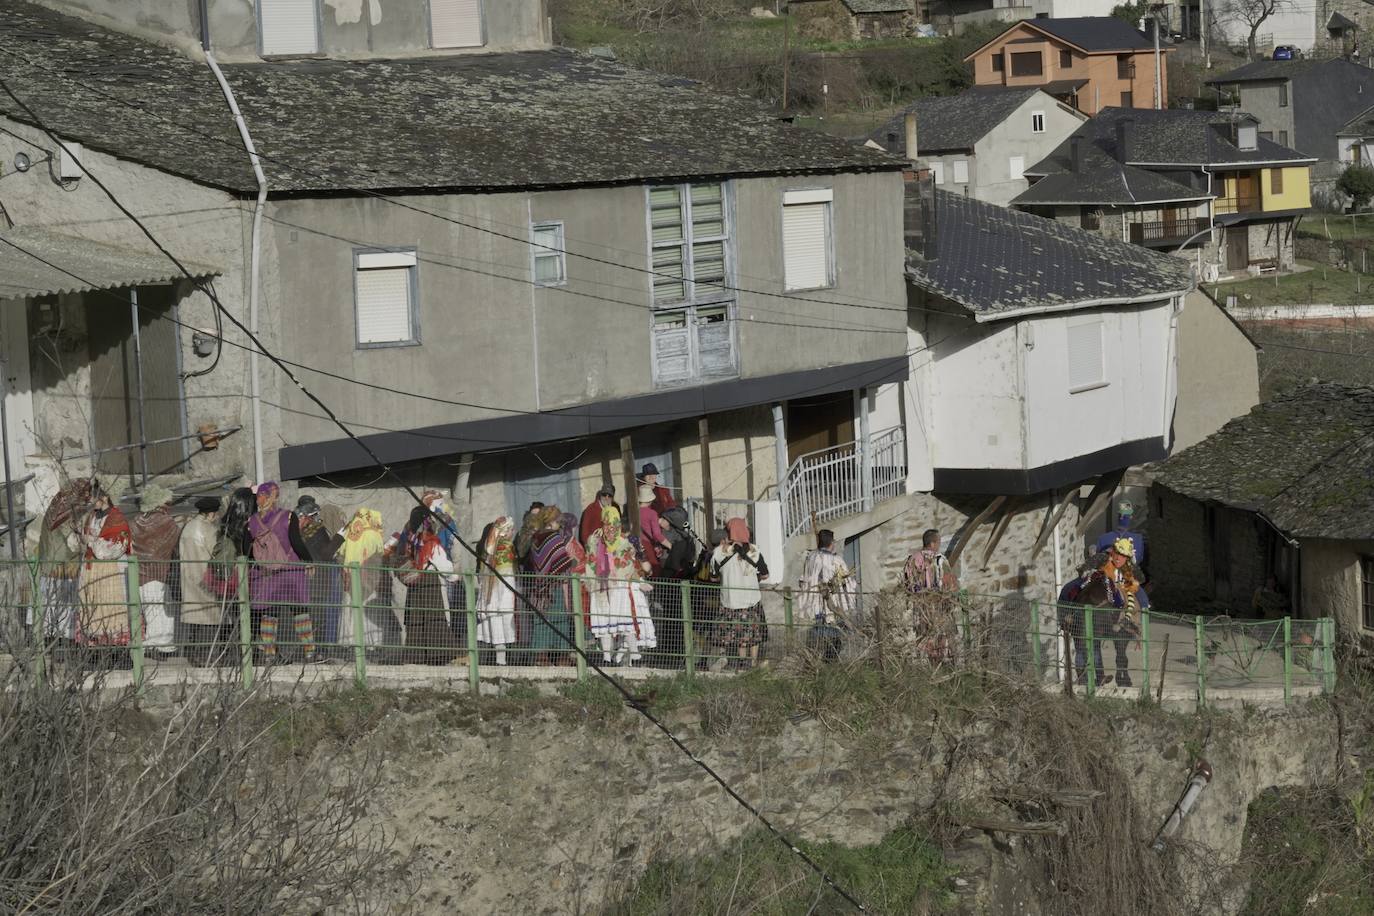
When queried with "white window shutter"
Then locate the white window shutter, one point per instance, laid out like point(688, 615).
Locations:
point(806, 246)
point(288, 27)
point(672, 347)
point(1017, 167)
point(455, 23)
point(384, 305)
point(1085, 354)
point(937, 172)
point(961, 171)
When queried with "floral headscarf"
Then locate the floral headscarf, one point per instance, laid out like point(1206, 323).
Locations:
point(363, 536)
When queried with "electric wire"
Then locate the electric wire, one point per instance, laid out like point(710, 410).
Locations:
point(458, 538)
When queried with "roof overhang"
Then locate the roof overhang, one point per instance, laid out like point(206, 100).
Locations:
point(1046, 308)
point(1258, 164)
point(1026, 481)
point(1231, 219)
point(38, 262)
point(534, 428)
point(1110, 203)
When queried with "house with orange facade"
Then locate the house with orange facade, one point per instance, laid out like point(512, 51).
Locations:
point(1091, 62)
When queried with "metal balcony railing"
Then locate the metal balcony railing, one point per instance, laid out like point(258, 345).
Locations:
point(1250, 203)
point(834, 482)
point(1167, 232)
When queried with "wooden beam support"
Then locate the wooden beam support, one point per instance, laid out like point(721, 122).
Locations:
point(1053, 522)
point(627, 462)
point(966, 533)
point(704, 434)
point(1101, 495)
point(1000, 529)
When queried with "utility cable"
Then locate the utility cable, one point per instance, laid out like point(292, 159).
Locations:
point(458, 538)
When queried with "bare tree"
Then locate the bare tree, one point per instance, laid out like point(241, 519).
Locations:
point(1252, 14)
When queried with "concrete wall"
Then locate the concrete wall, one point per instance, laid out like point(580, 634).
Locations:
point(1013, 137)
point(1218, 371)
point(946, 177)
point(1288, 25)
point(1262, 101)
point(1331, 586)
point(348, 28)
point(197, 225)
point(482, 321)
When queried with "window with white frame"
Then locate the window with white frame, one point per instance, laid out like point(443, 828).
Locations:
point(1037, 122)
point(456, 24)
point(690, 259)
point(287, 27)
point(1016, 165)
point(937, 172)
point(961, 171)
point(384, 288)
point(1087, 367)
point(550, 258)
point(806, 240)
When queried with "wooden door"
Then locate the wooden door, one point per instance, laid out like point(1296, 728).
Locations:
point(819, 422)
point(1237, 247)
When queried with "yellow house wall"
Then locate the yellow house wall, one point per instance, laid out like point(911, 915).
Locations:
point(1297, 193)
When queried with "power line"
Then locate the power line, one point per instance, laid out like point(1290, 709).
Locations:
point(615, 684)
point(525, 241)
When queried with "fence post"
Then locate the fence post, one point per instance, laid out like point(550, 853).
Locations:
point(474, 656)
point(689, 641)
point(579, 631)
point(1090, 657)
point(1035, 641)
point(1329, 665)
point(1201, 640)
point(1287, 660)
point(245, 624)
point(355, 605)
point(964, 622)
point(135, 623)
point(787, 620)
point(1145, 651)
point(39, 621)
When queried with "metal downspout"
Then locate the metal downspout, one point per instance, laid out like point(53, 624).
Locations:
point(255, 257)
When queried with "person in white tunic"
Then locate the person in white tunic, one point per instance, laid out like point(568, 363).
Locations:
point(202, 611)
point(620, 609)
point(826, 590)
point(496, 607)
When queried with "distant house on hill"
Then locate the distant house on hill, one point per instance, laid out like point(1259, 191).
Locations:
point(980, 142)
point(1284, 491)
point(869, 19)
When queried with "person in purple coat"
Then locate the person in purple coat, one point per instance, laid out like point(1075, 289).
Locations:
point(277, 584)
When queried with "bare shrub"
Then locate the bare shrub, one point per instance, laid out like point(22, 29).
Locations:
point(111, 809)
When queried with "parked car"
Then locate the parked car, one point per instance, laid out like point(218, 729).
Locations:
point(1287, 52)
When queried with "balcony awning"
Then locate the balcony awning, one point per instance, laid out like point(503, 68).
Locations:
point(39, 262)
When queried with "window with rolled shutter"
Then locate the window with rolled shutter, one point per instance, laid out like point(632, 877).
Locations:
point(288, 27)
point(384, 290)
point(806, 239)
point(1086, 366)
point(455, 23)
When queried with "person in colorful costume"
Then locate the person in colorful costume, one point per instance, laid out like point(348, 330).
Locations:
point(428, 570)
point(103, 619)
point(155, 538)
point(930, 586)
point(277, 584)
point(496, 607)
point(556, 556)
point(619, 613)
point(1115, 569)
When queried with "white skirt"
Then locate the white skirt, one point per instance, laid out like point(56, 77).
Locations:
point(623, 610)
point(496, 616)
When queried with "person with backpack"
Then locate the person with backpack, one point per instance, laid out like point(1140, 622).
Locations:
point(277, 584)
point(740, 629)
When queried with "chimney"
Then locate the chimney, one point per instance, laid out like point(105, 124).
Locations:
point(1124, 129)
point(911, 135)
point(1075, 153)
point(918, 214)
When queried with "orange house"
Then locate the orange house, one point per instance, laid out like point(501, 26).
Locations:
point(1092, 62)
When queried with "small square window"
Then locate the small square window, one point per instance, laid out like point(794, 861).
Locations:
point(1065, 60)
point(1037, 122)
point(384, 290)
point(961, 171)
point(1087, 368)
point(1283, 138)
point(937, 172)
point(456, 24)
point(1017, 166)
point(1276, 181)
point(997, 62)
point(287, 27)
point(550, 259)
point(806, 239)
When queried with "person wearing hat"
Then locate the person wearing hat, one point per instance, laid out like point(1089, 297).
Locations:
point(591, 516)
point(1120, 624)
point(202, 611)
point(651, 493)
point(1125, 518)
point(103, 618)
point(155, 538)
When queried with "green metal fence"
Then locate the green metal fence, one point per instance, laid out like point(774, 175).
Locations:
point(361, 620)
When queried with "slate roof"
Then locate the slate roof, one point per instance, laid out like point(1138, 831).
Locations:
point(474, 122)
point(953, 122)
point(1095, 33)
point(1303, 461)
point(859, 7)
point(1362, 125)
point(996, 263)
point(1100, 179)
point(27, 256)
point(1262, 70)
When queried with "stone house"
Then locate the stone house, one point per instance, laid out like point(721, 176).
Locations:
point(868, 19)
point(1304, 104)
point(1207, 185)
point(980, 141)
point(1283, 491)
point(1089, 62)
point(492, 261)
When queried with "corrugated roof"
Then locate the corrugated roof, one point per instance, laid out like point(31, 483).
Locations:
point(37, 262)
point(1301, 460)
point(953, 122)
point(472, 122)
point(996, 262)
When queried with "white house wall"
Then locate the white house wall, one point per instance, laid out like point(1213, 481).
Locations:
point(1013, 137)
point(975, 398)
point(1295, 25)
point(1061, 424)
